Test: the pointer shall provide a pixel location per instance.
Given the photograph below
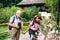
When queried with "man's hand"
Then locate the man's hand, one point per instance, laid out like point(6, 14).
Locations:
point(12, 25)
point(17, 27)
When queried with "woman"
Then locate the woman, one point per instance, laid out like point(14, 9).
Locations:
point(34, 26)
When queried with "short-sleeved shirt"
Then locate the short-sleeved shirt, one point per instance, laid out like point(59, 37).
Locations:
point(34, 26)
point(16, 20)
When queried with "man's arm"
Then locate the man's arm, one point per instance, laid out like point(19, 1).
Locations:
point(12, 25)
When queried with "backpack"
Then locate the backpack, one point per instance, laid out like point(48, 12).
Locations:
point(10, 28)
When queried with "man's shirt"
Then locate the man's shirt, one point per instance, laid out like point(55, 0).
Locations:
point(16, 20)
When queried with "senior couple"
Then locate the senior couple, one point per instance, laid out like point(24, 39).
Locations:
point(16, 24)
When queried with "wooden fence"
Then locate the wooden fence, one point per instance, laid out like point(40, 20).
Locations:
point(6, 24)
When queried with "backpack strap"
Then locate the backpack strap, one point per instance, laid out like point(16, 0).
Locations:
point(10, 28)
point(32, 23)
point(13, 19)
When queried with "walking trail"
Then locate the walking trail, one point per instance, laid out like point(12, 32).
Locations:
point(22, 37)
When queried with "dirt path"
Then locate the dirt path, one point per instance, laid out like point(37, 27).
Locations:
point(22, 37)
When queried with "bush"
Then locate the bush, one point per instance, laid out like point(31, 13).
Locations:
point(27, 13)
point(6, 13)
point(1, 5)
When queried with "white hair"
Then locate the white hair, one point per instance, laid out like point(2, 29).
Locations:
point(18, 11)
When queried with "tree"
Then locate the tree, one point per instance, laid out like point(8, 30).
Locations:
point(52, 4)
point(29, 12)
point(9, 2)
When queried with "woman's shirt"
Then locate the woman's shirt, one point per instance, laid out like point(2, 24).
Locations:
point(34, 26)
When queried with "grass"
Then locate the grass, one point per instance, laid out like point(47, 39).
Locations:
point(3, 28)
point(4, 35)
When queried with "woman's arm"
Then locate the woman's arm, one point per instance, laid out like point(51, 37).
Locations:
point(27, 29)
point(41, 23)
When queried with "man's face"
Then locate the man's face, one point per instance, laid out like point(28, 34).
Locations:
point(18, 14)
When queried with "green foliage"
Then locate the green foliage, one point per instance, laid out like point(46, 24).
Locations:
point(4, 36)
point(6, 13)
point(3, 28)
point(1, 5)
point(39, 15)
point(51, 4)
point(46, 23)
point(29, 13)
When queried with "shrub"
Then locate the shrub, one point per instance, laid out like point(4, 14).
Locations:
point(1, 5)
point(6, 13)
point(27, 13)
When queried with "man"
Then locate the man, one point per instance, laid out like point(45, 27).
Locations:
point(16, 25)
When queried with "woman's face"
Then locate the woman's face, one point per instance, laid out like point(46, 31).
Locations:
point(37, 19)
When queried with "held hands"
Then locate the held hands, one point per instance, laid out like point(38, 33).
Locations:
point(24, 33)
